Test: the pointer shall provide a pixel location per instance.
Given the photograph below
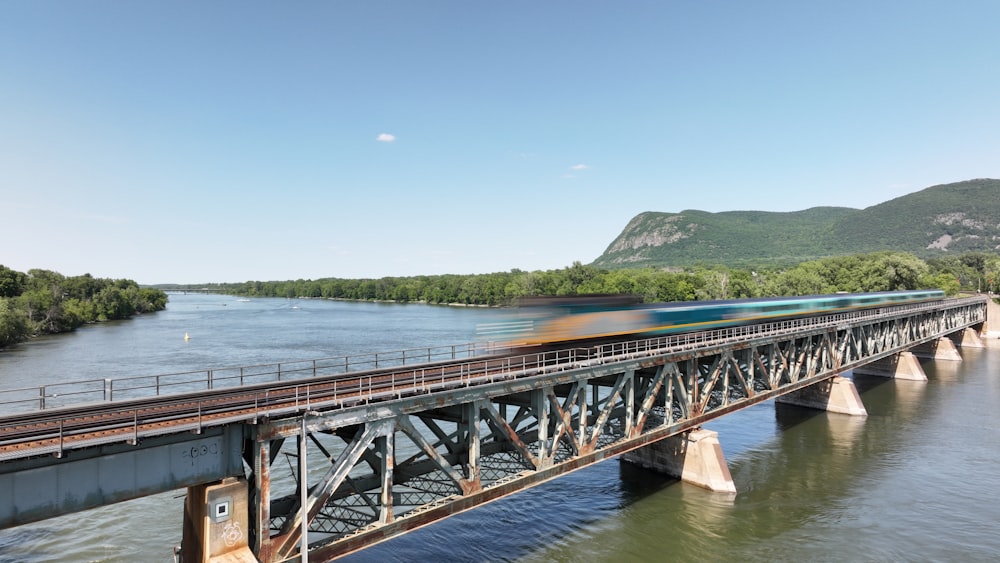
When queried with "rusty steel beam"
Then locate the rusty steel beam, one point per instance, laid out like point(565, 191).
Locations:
point(456, 449)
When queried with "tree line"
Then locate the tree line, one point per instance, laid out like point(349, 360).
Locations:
point(44, 302)
point(879, 271)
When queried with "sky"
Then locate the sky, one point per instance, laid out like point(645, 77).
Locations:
point(191, 141)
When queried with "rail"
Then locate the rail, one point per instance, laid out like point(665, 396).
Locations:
point(52, 430)
point(59, 395)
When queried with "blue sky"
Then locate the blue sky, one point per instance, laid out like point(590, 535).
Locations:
point(228, 141)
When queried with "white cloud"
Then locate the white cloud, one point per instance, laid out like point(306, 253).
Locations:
point(579, 167)
point(385, 137)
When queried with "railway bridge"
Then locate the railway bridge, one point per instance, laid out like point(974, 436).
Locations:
point(381, 444)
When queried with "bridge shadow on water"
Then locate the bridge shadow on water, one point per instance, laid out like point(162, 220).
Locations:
point(797, 470)
point(791, 465)
point(615, 510)
point(553, 514)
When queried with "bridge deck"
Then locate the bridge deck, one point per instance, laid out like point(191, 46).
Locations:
point(307, 387)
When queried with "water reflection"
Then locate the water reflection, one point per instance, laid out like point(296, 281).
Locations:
point(944, 371)
point(794, 485)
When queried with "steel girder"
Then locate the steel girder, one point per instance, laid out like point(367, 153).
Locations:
point(394, 466)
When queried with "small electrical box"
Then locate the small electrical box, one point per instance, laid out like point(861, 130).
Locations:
point(222, 509)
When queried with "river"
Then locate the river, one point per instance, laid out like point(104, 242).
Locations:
point(915, 480)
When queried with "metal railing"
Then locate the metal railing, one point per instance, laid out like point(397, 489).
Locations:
point(361, 388)
point(56, 395)
point(461, 357)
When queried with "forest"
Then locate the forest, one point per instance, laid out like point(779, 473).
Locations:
point(879, 271)
point(44, 302)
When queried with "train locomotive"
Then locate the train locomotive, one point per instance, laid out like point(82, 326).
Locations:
point(552, 321)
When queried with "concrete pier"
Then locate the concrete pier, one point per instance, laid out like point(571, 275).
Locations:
point(991, 328)
point(695, 457)
point(837, 394)
point(968, 338)
point(941, 349)
point(216, 524)
point(898, 366)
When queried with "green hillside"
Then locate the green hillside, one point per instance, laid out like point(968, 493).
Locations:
point(950, 218)
point(938, 221)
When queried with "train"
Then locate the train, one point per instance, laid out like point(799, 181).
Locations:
point(559, 320)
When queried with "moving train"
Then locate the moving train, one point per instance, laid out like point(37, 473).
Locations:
point(543, 321)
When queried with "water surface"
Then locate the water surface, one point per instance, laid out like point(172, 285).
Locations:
point(916, 480)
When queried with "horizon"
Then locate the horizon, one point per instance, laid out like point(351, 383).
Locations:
point(187, 285)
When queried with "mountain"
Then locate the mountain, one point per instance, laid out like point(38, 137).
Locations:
point(937, 221)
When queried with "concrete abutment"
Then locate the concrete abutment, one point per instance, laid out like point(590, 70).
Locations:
point(991, 328)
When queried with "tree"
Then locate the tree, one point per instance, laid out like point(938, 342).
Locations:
point(798, 281)
point(39, 306)
point(46, 302)
point(13, 323)
point(743, 285)
point(151, 300)
point(893, 271)
point(941, 280)
point(11, 282)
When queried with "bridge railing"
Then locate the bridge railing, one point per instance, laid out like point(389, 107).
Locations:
point(106, 390)
point(64, 394)
point(196, 411)
point(749, 332)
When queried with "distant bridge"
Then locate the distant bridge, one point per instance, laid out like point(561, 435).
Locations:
point(411, 437)
point(181, 291)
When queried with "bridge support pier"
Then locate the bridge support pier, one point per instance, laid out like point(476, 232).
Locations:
point(898, 366)
point(941, 349)
point(215, 523)
point(991, 327)
point(836, 394)
point(695, 457)
point(968, 338)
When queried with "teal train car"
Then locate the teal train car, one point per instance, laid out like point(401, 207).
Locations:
point(560, 320)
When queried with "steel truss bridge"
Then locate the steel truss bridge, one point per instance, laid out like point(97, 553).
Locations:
point(375, 451)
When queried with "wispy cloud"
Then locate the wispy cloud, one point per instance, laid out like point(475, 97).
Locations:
point(575, 168)
point(385, 138)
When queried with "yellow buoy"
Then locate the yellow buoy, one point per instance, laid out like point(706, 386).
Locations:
point(186, 337)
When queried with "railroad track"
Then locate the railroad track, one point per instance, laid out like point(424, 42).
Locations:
point(52, 431)
point(57, 430)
